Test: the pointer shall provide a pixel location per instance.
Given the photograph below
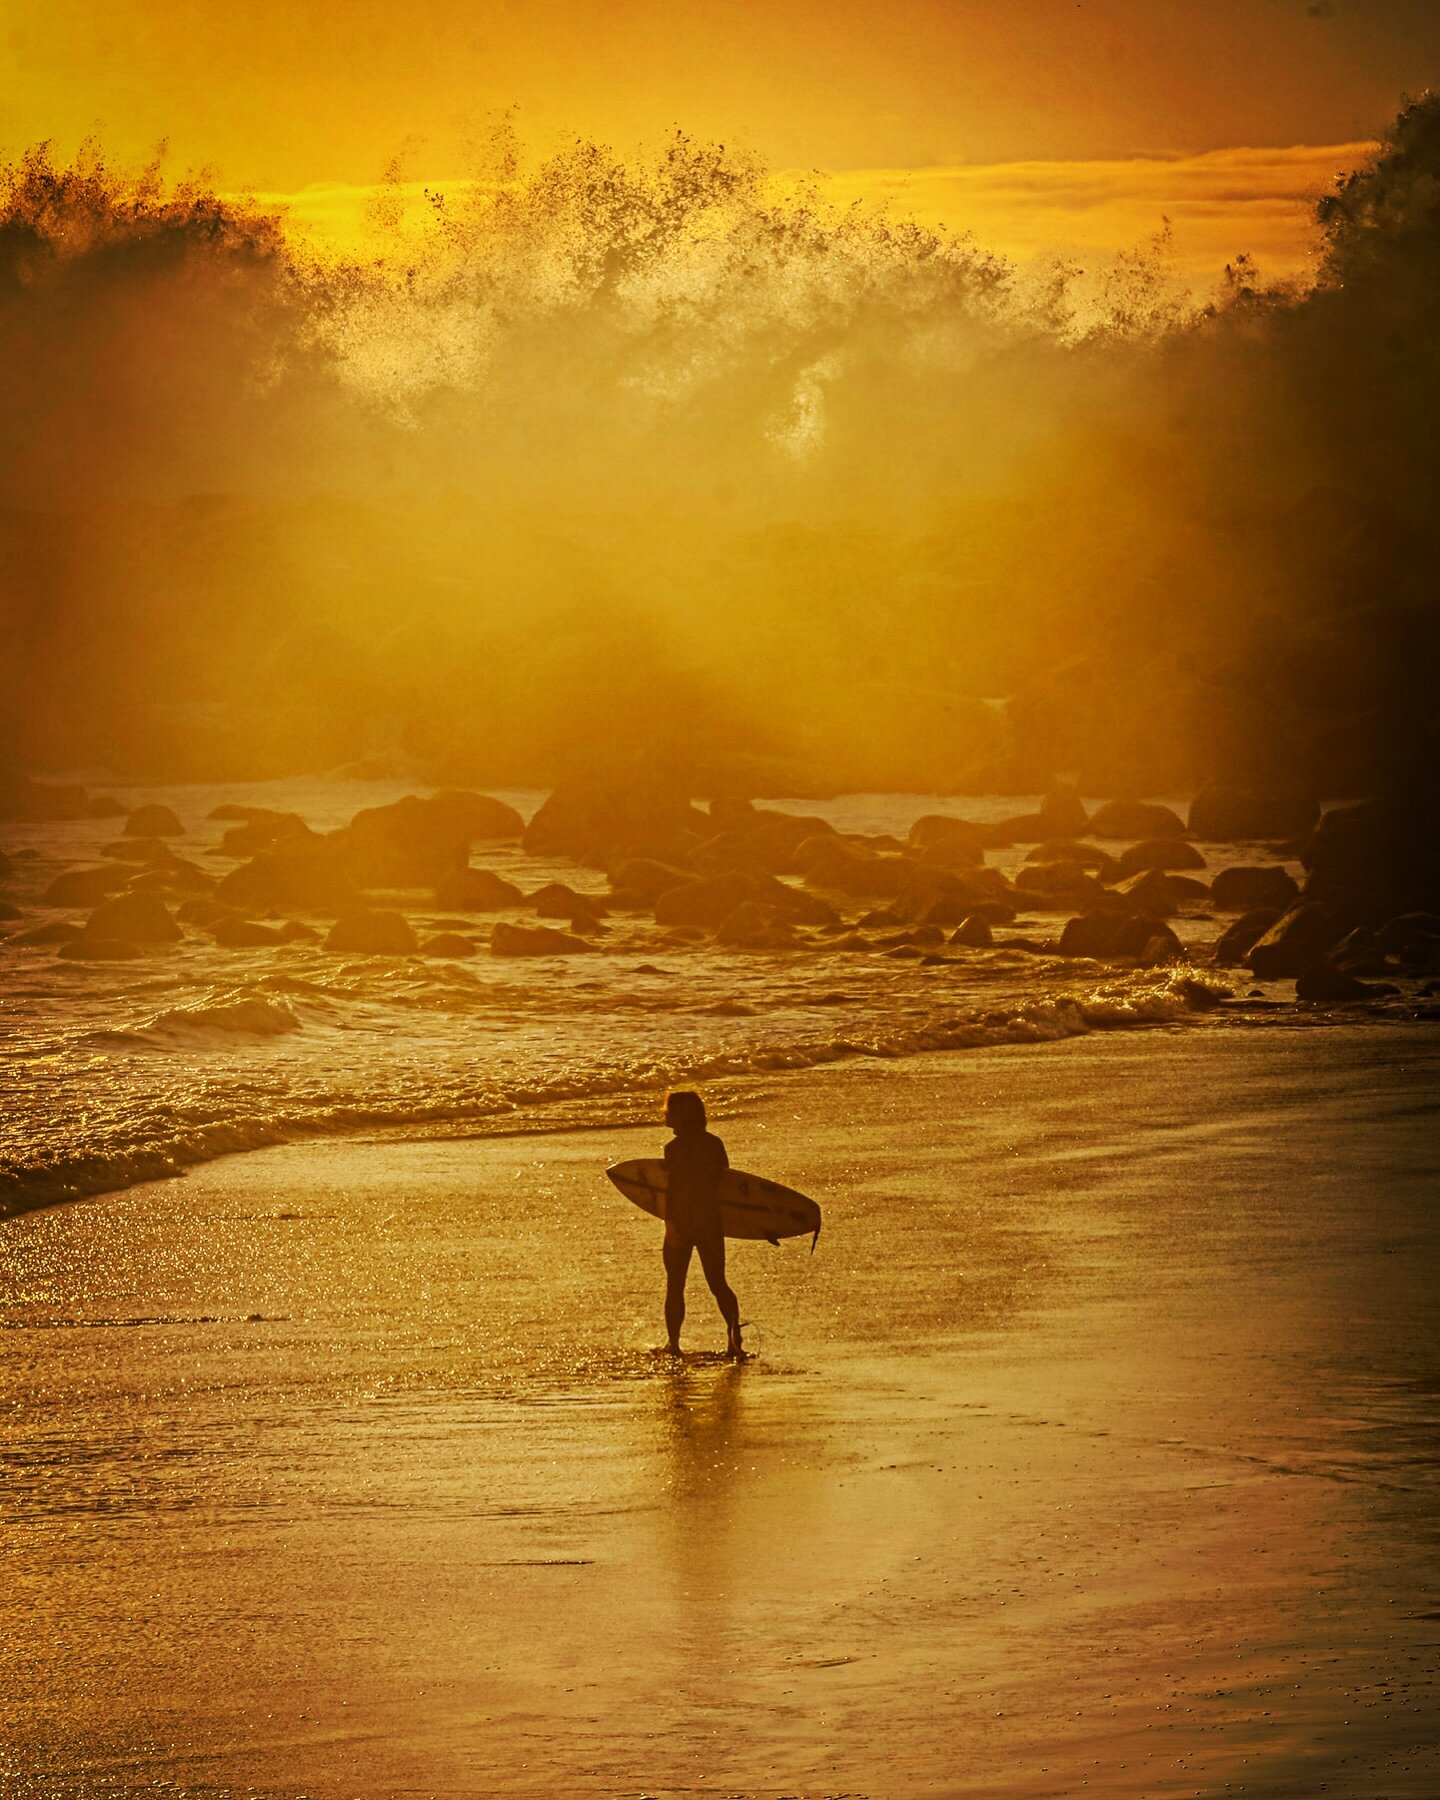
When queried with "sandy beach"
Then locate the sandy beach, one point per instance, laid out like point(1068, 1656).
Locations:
point(1092, 1451)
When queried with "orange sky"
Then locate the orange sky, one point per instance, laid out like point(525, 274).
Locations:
point(1037, 123)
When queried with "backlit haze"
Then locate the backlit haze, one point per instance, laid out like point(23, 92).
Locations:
point(813, 400)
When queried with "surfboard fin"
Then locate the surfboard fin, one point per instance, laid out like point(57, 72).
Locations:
point(815, 1240)
point(773, 1240)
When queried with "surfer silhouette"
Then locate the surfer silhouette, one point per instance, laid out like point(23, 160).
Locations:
point(695, 1159)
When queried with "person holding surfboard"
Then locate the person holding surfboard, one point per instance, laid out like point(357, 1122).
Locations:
point(695, 1161)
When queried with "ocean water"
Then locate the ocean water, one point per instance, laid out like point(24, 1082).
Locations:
point(118, 1072)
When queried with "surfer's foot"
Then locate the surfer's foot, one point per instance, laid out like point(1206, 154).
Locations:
point(669, 1350)
point(734, 1348)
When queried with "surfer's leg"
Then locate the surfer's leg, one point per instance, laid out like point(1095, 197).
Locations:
point(712, 1261)
point(677, 1267)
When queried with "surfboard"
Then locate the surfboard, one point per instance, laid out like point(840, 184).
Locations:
point(750, 1206)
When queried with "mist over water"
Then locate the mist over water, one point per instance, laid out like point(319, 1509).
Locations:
point(618, 458)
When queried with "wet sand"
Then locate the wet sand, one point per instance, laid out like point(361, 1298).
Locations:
point(1093, 1451)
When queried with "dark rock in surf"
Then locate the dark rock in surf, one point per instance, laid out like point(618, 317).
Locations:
point(1298, 938)
point(84, 887)
point(176, 876)
point(600, 821)
point(557, 900)
point(476, 890)
point(372, 932)
point(1171, 855)
point(448, 944)
point(89, 948)
point(1115, 931)
point(834, 862)
point(244, 934)
point(641, 880)
point(135, 918)
point(264, 830)
point(957, 839)
point(1239, 939)
point(203, 911)
point(974, 933)
point(296, 931)
point(753, 926)
point(1159, 894)
point(58, 931)
point(1412, 938)
point(1062, 814)
point(1323, 982)
point(1376, 859)
point(535, 940)
point(1089, 857)
point(1234, 815)
point(411, 843)
point(152, 850)
point(1056, 887)
point(308, 879)
point(1136, 819)
point(1247, 888)
point(481, 816)
point(153, 821)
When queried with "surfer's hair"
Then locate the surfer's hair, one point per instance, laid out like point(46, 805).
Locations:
point(684, 1108)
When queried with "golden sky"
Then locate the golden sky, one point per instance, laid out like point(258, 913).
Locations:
point(1036, 123)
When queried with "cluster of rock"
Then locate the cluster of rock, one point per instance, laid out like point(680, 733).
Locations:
point(759, 879)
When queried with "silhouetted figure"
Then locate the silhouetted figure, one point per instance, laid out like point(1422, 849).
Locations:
point(695, 1160)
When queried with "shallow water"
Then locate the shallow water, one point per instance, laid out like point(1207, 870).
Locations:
point(120, 1072)
point(1094, 1450)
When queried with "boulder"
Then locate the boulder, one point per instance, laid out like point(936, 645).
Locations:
point(1062, 814)
point(449, 944)
point(480, 816)
point(264, 830)
point(1232, 815)
point(244, 934)
point(1172, 855)
point(134, 918)
point(1115, 931)
point(88, 948)
point(534, 940)
point(836, 863)
point(153, 821)
point(642, 880)
point(1089, 857)
point(84, 887)
point(957, 839)
point(311, 878)
point(557, 900)
point(411, 843)
point(708, 902)
point(1410, 938)
point(203, 911)
point(476, 890)
point(1323, 982)
point(1056, 887)
point(296, 931)
point(946, 897)
point(1136, 819)
point(1249, 887)
point(371, 932)
point(598, 820)
point(974, 933)
point(58, 931)
point(753, 926)
point(1240, 938)
point(1159, 894)
point(1376, 859)
point(1299, 937)
point(151, 850)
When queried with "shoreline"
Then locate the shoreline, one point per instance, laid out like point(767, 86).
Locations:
point(1093, 1446)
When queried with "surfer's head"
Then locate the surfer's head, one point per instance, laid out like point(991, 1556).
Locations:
point(684, 1111)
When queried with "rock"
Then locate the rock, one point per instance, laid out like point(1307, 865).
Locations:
point(371, 932)
point(309, 879)
point(708, 902)
point(411, 843)
point(152, 850)
point(537, 940)
point(1089, 857)
point(1376, 859)
point(773, 837)
point(41, 802)
point(1115, 931)
point(1249, 887)
point(1153, 891)
point(203, 911)
point(645, 879)
point(58, 931)
point(87, 948)
point(958, 838)
point(834, 862)
point(1411, 938)
point(1056, 887)
point(134, 918)
point(1172, 855)
point(264, 830)
point(1239, 939)
point(104, 806)
point(755, 927)
point(84, 887)
point(174, 877)
point(598, 821)
point(946, 897)
point(476, 890)
point(296, 931)
point(480, 816)
point(1322, 981)
point(1136, 819)
point(556, 900)
point(1062, 814)
point(448, 943)
point(1231, 815)
point(153, 821)
point(974, 933)
point(1299, 937)
point(244, 934)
